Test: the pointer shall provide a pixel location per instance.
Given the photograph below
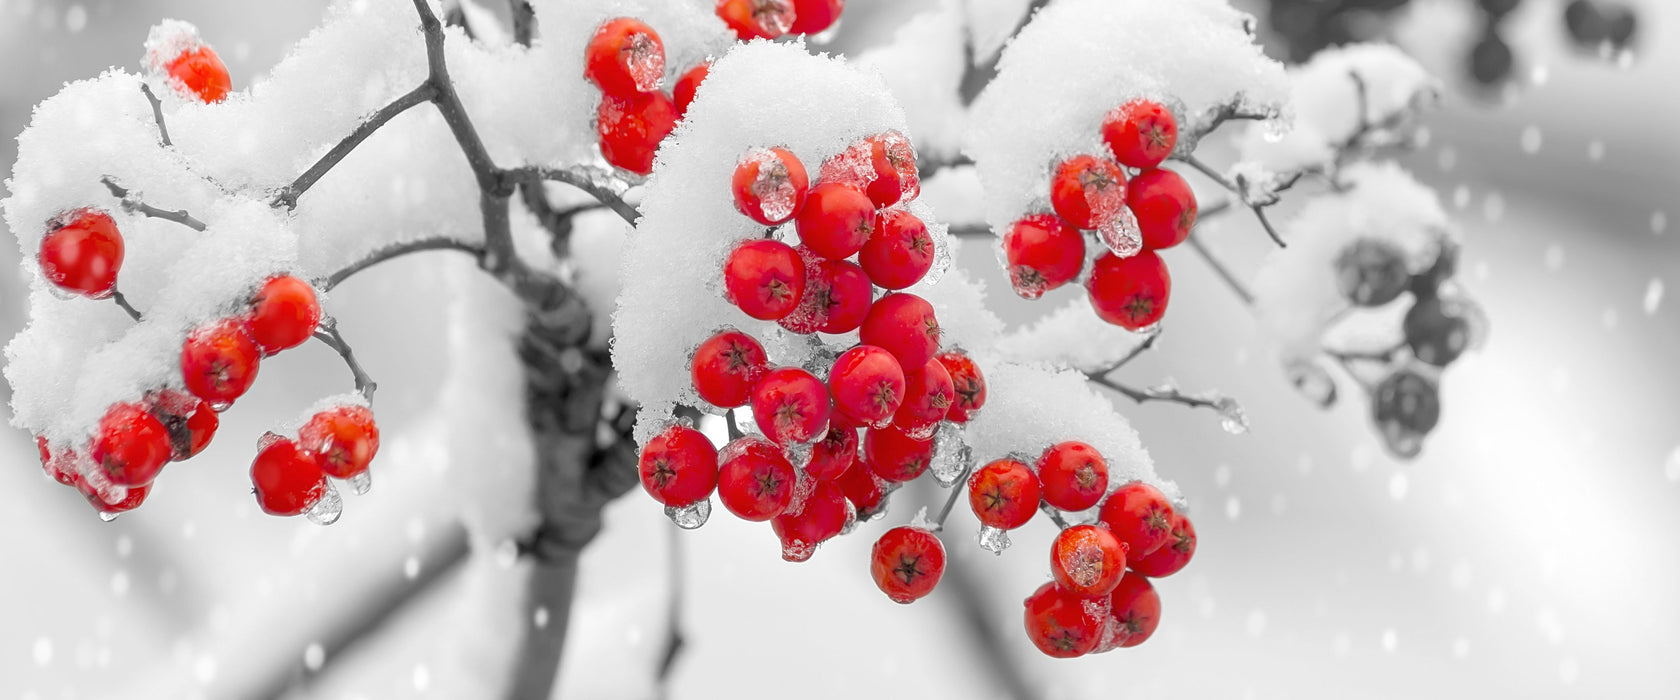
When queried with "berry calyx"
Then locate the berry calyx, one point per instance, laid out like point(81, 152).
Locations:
point(199, 72)
point(343, 438)
point(682, 94)
point(1074, 475)
point(894, 455)
point(678, 466)
point(1165, 208)
point(900, 251)
point(1140, 133)
point(823, 516)
point(1140, 516)
point(928, 396)
point(765, 278)
point(1062, 624)
point(287, 478)
point(849, 295)
point(219, 362)
point(131, 445)
point(1087, 561)
point(907, 563)
point(1044, 252)
point(631, 127)
point(790, 406)
point(284, 314)
point(837, 220)
point(726, 366)
point(1134, 611)
point(814, 16)
point(1087, 190)
point(624, 57)
point(834, 454)
point(1130, 292)
point(905, 326)
point(755, 481)
point(1174, 555)
point(1004, 494)
point(756, 19)
point(770, 185)
point(82, 252)
point(967, 382)
point(867, 385)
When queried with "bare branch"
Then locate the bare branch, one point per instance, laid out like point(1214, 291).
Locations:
point(1219, 268)
point(1214, 175)
point(288, 196)
point(132, 203)
point(734, 427)
point(980, 74)
point(957, 489)
point(1148, 342)
point(1168, 394)
point(1265, 223)
point(581, 180)
point(396, 251)
point(970, 231)
point(123, 302)
point(329, 335)
point(157, 113)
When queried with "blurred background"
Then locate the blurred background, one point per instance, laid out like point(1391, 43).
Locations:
point(1533, 550)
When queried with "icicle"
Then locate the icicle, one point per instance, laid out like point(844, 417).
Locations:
point(328, 508)
point(691, 516)
point(994, 540)
point(361, 482)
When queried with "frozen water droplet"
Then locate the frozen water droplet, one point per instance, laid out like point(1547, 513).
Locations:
point(1121, 233)
point(314, 656)
point(361, 482)
point(328, 508)
point(942, 257)
point(799, 454)
point(1313, 382)
point(993, 539)
point(107, 517)
point(951, 454)
point(797, 550)
point(803, 486)
point(220, 406)
point(1231, 416)
point(1531, 140)
point(690, 516)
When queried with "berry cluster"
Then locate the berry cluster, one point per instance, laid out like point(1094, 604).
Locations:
point(290, 475)
point(626, 59)
point(1132, 216)
point(177, 56)
point(770, 19)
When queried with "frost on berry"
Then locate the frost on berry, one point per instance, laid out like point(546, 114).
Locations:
point(817, 300)
point(691, 516)
point(952, 457)
point(625, 55)
point(1121, 234)
point(176, 54)
point(770, 185)
point(757, 19)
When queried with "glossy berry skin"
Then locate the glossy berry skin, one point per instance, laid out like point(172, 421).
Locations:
point(755, 481)
point(756, 19)
point(678, 466)
point(131, 445)
point(284, 314)
point(343, 438)
point(624, 57)
point(867, 385)
point(968, 383)
point(1174, 555)
point(199, 72)
point(769, 185)
point(132, 498)
point(900, 252)
point(823, 516)
point(1140, 133)
point(867, 492)
point(882, 166)
point(219, 362)
point(765, 278)
point(907, 563)
point(191, 421)
point(632, 126)
point(1405, 407)
point(287, 478)
point(896, 456)
point(1087, 561)
point(1085, 190)
point(905, 326)
point(1165, 207)
point(849, 296)
point(1371, 272)
point(1130, 292)
point(1428, 283)
point(837, 220)
point(928, 395)
point(1004, 494)
point(814, 16)
point(834, 454)
point(82, 252)
point(790, 405)
point(682, 94)
point(1437, 330)
point(1044, 252)
point(1073, 474)
point(726, 366)
point(1134, 610)
point(1062, 624)
point(1138, 515)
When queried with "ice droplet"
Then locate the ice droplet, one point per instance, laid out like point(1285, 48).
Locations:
point(327, 510)
point(690, 516)
point(1313, 382)
point(993, 540)
point(361, 482)
point(942, 257)
point(951, 454)
point(1231, 416)
point(797, 550)
point(1121, 234)
point(799, 455)
point(775, 190)
point(107, 517)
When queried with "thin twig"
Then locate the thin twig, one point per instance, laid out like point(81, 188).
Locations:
point(1163, 394)
point(288, 196)
point(580, 180)
point(123, 302)
point(1205, 169)
point(1148, 342)
point(970, 231)
point(957, 489)
point(328, 334)
point(157, 113)
point(395, 251)
point(1219, 268)
point(1265, 223)
point(132, 203)
point(1055, 515)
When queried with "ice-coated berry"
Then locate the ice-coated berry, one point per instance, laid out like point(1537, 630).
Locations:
point(1087, 560)
point(344, 439)
point(1371, 272)
point(1062, 624)
point(82, 252)
point(190, 420)
point(679, 466)
point(1134, 610)
point(1440, 330)
point(1405, 407)
point(864, 489)
point(682, 94)
point(834, 454)
point(131, 445)
point(631, 127)
point(928, 396)
point(756, 19)
point(1087, 191)
point(624, 57)
point(770, 185)
point(849, 296)
point(1044, 252)
point(814, 16)
point(823, 516)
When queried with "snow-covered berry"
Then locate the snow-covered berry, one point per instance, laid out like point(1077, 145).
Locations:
point(1140, 133)
point(770, 185)
point(1087, 560)
point(1044, 252)
point(625, 56)
point(344, 439)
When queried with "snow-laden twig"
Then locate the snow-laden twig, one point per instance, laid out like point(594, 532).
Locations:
point(581, 180)
point(396, 251)
point(328, 335)
point(157, 113)
point(1225, 406)
point(979, 73)
point(131, 203)
point(958, 488)
point(288, 196)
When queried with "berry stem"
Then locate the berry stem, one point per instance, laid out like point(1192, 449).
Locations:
point(582, 180)
point(957, 489)
point(329, 335)
point(1224, 272)
point(1236, 189)
point(157, 114)
point(1148, 342)
point(558, 222)
point(734, 428)
point(395, 251)
point(1166, 393)
point(132, 203)
point(1055, 515)
point(288, 196)
point(122, 301)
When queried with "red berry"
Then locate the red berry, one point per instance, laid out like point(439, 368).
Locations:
point(967, 382)
point(284, 314)
point(896, 456)
point(725, 368)
point(679, 466)
point(1165, 208)
point(882, 166)
point(132, 497)
point(790, 405)
point(905, 326)
point(813, 16)
point(1130, 292)
point(60, 466)
point(928, 396)
point(864, 489)
point(682, 94)
point(343, 438)
point(199, 72)
point(765, 277)
point(756, 19)
point(1087, 560)
point(1140, 133)
point(191, 421)
point(287, 478)
point(1172, 556)
point(632, 126)
point(867, 384)
point(907, 563)
point(900, 252)
point(624, 57)
point(219, 362)
point(1134, 612)
point(770, 185)
point(1074, 475)
point(1062, 624)
point(823, 516)
point(811, 314)
point(849, 294)
point(82, 252)
point(1088, 191)
point(131, 445)
point(1044, 253)
point(834, 454)
point(755, 481)
point(1139, 515)
point(1004, 494)
point(837, 220)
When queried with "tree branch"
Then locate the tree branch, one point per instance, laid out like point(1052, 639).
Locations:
point(132, 203)
point(1168, 394)
point(957, 489)
point(157, 113)
point(1148, 342)
point(288, 196)
point(396, 251)
point(1219, 268)
point(980, 74)
point(328, 335)
point(580, 180)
